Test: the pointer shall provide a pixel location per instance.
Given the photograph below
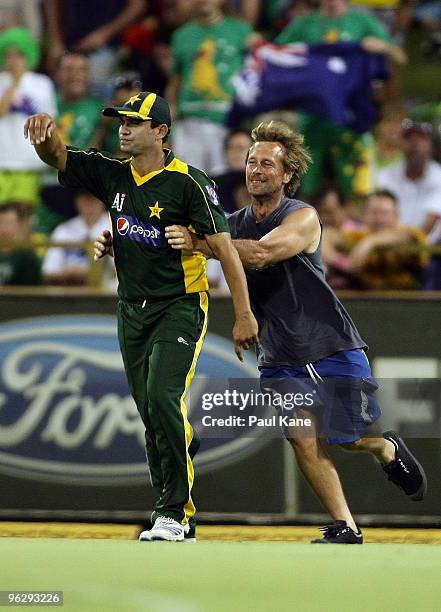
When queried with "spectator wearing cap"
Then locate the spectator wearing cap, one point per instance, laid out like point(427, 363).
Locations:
point(416, 180)
point(22, 93)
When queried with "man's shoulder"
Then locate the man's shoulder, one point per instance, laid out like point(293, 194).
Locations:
point(291, 205)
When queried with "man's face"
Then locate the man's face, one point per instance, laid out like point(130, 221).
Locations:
point(204, 8)
point(330, 210)
point(417, 147)
point(15, 61)
point(10, 226)
point(265, 174)
point(237, 149)
point(73, 76)
point(381, 214)
point(333, 6)
point(136, 136)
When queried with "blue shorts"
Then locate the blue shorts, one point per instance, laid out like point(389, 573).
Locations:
point(337, 390)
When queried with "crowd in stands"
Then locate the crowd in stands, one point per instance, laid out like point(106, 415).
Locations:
point(377, 190)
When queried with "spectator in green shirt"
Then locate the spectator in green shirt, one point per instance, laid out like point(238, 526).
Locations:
point(207, 53)
point(18, 264)
point(350, 154)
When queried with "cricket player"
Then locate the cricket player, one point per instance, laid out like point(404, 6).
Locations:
point(306, 336)
point(163, 306)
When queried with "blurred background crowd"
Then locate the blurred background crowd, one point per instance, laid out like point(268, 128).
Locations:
point(376, 176)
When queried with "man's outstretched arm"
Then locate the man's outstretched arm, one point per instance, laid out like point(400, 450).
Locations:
point(43, 134)
point(300, 231)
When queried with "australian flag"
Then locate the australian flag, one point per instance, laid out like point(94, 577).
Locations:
point(331, 81)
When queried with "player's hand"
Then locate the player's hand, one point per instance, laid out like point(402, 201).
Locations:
point(39, 127)
point(103, 245)
point(245, 332)
point(179, 237)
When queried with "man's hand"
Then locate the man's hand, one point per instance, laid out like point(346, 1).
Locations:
point(43, 134)
point(39, 127)
point(103, 245)
point(179, 237)
point(245, 332)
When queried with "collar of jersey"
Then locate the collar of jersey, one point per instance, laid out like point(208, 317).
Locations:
point(140, 180)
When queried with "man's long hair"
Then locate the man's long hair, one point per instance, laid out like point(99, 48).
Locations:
point(296, 157)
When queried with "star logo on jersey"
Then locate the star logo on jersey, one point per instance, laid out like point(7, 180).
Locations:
point(155, 211)
point(133, 99)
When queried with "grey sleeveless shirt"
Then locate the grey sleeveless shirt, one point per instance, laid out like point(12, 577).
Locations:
point(300, 318)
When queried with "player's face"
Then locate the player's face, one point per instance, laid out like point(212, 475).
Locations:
point(136, 137)
point(265, 174)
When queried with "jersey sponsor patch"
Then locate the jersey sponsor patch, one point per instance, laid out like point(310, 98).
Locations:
point(131, 228)
point(212, 195)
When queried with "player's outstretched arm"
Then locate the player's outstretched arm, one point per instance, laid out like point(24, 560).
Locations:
point(245, 328)
point(43, 134)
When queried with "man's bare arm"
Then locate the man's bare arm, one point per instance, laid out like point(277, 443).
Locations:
point(300, 231)
point(245, 328)
point(43, 134)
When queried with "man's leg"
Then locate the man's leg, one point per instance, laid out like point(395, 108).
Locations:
point(135, 349)
point(376, 445)
point(172, 363)
point(320, 472)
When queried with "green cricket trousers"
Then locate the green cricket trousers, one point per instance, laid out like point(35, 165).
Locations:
point(160, 343)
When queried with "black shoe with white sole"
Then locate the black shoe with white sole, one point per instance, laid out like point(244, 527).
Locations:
point(405, 471)
point(338, 532)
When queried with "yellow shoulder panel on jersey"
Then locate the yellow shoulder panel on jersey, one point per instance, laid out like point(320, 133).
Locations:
point(179, 166)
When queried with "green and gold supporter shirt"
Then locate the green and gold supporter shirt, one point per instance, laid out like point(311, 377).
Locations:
point(207, 58)
point(140, 208)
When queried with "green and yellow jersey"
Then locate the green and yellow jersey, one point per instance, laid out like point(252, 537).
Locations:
point(140, 208)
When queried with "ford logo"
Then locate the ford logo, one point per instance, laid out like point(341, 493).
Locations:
point(66, 414)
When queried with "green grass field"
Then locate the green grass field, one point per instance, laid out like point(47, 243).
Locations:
point(222, 576)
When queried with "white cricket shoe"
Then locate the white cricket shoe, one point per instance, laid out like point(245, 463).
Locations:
point(165, 528)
